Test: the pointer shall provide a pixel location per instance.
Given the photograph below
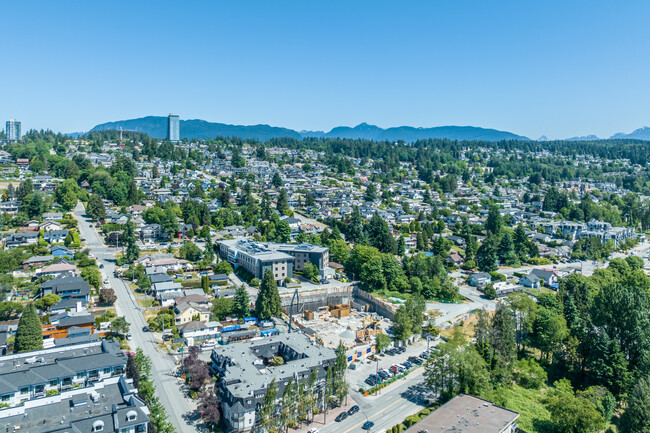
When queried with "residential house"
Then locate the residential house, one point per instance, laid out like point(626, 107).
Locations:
point(189, 311)
point(479, 279)
point(55, 236)
point(548, 275)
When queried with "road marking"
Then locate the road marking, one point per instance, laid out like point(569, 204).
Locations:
point(373, 415)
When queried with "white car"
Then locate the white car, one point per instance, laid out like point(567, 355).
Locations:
point(313, 430)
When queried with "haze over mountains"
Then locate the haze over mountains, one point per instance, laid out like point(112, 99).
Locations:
point(156, 126)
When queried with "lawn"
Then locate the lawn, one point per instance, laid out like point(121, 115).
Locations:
point(534, 418)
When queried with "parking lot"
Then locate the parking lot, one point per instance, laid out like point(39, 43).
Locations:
point(357, 377)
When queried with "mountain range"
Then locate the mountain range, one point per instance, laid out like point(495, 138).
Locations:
point(156, 126)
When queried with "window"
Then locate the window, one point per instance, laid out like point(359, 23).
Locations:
point(131, 415)
point(53, 382)
point(98, 426)
point(107, 370)
point(24, 390)
point(81, 375)
point(6, 397)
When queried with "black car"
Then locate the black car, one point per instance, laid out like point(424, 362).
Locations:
point(401, 349)
point(101, 266)
point(146, 329)
point(370, 381)
point(354, 409)
point(341, 416)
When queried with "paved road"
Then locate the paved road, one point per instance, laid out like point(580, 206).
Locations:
point(179, 408)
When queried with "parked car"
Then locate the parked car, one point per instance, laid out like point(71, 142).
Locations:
point(408, 364)
point(129, 336)
point(101, 266)
point(341, 416)
point(354, 409)
point(367, 425)
point(146, 329)
point(313, 430)
point(370, 381)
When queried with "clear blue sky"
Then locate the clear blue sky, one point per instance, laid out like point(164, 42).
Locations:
point(560, 68)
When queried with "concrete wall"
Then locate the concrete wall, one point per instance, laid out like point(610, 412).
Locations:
point(361, 300)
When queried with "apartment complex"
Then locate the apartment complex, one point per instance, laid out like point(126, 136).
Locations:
point(281, 259)
point(31, 375)
point(244, 372)
point(12, 130)
point(110, 406)
point(173, 127)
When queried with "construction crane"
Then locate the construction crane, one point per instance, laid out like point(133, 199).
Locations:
point(296, 297)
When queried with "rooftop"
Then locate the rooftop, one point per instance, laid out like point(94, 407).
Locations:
point(466, 414)
point(246, 370)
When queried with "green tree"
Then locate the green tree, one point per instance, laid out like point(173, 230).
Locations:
point(282, 204)
point(494, 222)
point(267, 408)
point(402, 324)
point(35, 206)
point(371, 192)
point(242, 303)
point(47, 301)
point(92, 275)
point(380, 236)
point(382, 341)
point(25, 188)
point(354, 231)
point(549, 331)
point(276, 181)
point(29, 334)
point(486, 256)
point(128, 237)
point(283, 232)
point(506, 250)
point(453, 369)
point(119, 325)
point(223, 307)
point(144, 283)
point(401, 246)
point(309, 271)
point(490, 292)
point(572, 414)
point(95, 208)
point(268, 302)
point(189, 251)
point(636, 418)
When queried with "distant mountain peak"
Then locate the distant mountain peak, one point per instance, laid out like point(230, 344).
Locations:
point(156, 126)
point(642, 133)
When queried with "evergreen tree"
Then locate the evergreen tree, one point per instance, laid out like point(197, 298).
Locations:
point(265, 207)
point(283, 203)
point(268, 302)
point(29, 335)
point(371, 192)
point(241, 307)
point(520, 242)
point(401, 246)
point(95, 208)
point(35, 206)
point(277, 180)
point(309, 200)
point(24, 189)
point(486, 256)
point(494, 222)
point(636, 418)
point(379, 235)
point(354, 232)
point(128, 237)
point(506, 250)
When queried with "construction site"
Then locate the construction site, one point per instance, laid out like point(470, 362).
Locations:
point(341, 322)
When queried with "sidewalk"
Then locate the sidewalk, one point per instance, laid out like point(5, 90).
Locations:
point(319, 420)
